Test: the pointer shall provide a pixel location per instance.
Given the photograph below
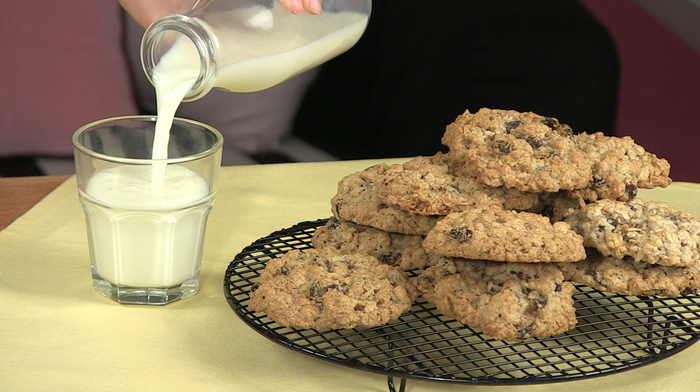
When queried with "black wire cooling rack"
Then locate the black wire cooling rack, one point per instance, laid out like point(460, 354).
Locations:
point(614, 333)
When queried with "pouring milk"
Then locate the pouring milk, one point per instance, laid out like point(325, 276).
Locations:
point(160, 206)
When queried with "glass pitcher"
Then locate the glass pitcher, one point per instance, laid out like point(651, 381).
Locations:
point(248, 45)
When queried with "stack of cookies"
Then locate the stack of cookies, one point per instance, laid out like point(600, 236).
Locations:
point(498, 227)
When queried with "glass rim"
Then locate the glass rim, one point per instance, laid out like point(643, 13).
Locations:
point(140, 161)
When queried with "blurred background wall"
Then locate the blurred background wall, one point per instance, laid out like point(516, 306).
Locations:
point(659, 105)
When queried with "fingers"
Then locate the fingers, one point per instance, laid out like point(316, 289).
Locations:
point(298, 6)
point(145, 12)
point(312, 6)
point(294, 6)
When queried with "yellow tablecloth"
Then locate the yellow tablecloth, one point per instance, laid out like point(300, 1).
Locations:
point(58, 334)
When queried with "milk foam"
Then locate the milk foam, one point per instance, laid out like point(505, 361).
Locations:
point(129, 187)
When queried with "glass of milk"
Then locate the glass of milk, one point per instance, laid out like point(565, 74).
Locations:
point(146, 217)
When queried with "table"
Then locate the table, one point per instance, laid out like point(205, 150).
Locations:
point(58, 333)
point(19, 194)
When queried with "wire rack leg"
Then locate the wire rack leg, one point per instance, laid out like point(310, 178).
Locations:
point(392, 388)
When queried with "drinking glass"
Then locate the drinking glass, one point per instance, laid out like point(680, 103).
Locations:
point(146, 218)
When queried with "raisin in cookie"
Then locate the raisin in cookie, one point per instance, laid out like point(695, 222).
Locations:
point(425, 186)
point(401, 250)
point(508, 301)
point(503, 235)
point(321, 288)
point(620, 167)
point(356, 201)
point(628, 277)
point(524, 151)
point(653, 232)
